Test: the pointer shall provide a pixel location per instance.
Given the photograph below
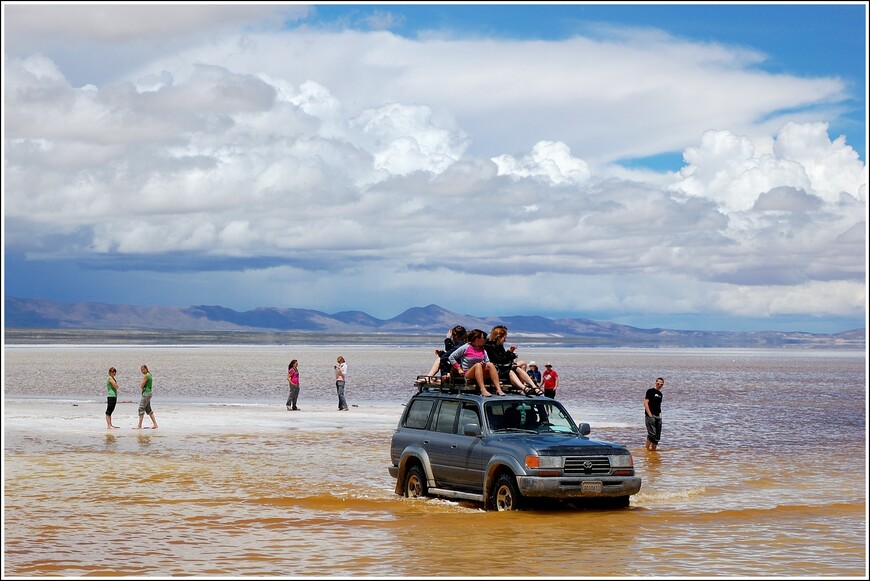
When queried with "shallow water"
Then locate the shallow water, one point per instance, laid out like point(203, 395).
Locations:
point(761, 470)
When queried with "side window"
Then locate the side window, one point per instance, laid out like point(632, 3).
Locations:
point(418, 415)
point(467, 415)
point(446, 417)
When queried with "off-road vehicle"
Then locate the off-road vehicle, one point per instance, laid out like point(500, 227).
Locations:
point(500, 451)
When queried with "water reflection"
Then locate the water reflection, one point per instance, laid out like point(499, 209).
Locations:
point(144, 441)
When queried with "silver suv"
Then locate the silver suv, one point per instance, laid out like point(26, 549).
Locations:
point(501, 450)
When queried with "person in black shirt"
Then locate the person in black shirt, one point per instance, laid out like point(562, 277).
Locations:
point(510, 370)
point(652, 405)
point(456, 337)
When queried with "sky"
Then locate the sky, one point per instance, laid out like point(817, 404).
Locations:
point(695, 166)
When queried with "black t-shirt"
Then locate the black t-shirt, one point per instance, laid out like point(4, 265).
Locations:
point(655, 401)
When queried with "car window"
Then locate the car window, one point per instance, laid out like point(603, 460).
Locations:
point(418, 414)
point(446, 417)
point(495, 416)
point(531, 416)
point(467, 415)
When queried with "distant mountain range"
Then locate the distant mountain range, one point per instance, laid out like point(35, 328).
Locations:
point(21, 314)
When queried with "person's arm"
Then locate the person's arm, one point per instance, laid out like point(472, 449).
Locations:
point(114, 384)
point(144, 381)
point(646, 407)
point(456, 357)
point(556, 386)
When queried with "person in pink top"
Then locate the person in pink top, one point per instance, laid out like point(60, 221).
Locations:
point(472, 362)
point(293, 381)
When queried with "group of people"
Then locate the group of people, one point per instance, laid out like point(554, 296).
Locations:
point(475, 356)
point(144, 402)
point(478, 357)
point(470, 355)
point(340, 369)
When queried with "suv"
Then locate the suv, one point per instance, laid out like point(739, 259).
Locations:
point(500, 450)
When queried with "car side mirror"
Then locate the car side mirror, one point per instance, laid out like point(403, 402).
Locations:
point(585, 429)
point(472, 430)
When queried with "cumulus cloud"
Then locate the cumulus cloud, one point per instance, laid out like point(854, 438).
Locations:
point(728, 167)
point(409, 169)
point(549, 160)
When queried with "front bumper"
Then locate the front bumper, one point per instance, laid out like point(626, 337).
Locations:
point(572, 487)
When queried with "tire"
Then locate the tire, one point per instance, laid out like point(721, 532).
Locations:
point(505, 494)
point(415, 483)
point(620, 502)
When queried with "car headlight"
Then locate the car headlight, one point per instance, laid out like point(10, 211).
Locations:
point(537, 462)
point(621, 461)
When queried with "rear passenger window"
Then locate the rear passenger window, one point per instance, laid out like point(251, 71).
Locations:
point(418, 415)
point(446, 417)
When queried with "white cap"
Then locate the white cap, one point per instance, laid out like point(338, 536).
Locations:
point(533, 363)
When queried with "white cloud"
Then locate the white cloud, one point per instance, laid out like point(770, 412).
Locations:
point(727, 169)
point(550, 160)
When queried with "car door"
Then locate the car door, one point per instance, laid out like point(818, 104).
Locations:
point(440, 444)
point(471, 449)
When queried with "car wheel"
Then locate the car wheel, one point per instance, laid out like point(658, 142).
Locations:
point(620, 502)
point(506, 495)
point(415, 483)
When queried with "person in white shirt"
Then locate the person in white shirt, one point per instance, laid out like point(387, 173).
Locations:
point(340, 378)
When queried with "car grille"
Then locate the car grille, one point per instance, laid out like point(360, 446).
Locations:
point(585, 465)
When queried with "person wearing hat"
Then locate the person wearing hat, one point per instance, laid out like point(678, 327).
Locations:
point(534, 372)
point(550, 381)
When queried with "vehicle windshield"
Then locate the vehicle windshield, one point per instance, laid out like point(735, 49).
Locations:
point(529, 416)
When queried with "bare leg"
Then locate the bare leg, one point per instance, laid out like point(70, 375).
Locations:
point(476, 373)
point(525, 377)
point(435, 366)
point(139, 427)
point(493, 376)
point(109, 422)
point(153, 421)
point(515, 381)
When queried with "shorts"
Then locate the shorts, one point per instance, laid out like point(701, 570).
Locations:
point(145, 404)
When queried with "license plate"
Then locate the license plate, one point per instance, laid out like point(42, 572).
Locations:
point(591, 487)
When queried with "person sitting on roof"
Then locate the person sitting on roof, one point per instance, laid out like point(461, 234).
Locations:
point(455, 338)
point(505, 360)
point(472, 362)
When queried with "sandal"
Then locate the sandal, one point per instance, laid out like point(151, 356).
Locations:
point(532, 390)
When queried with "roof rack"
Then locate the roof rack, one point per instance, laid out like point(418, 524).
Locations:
point(455, 385)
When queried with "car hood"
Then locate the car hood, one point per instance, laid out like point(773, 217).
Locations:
point(558, 444)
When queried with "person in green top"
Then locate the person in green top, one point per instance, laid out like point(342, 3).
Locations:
point(112, 399)
point(145, 402)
